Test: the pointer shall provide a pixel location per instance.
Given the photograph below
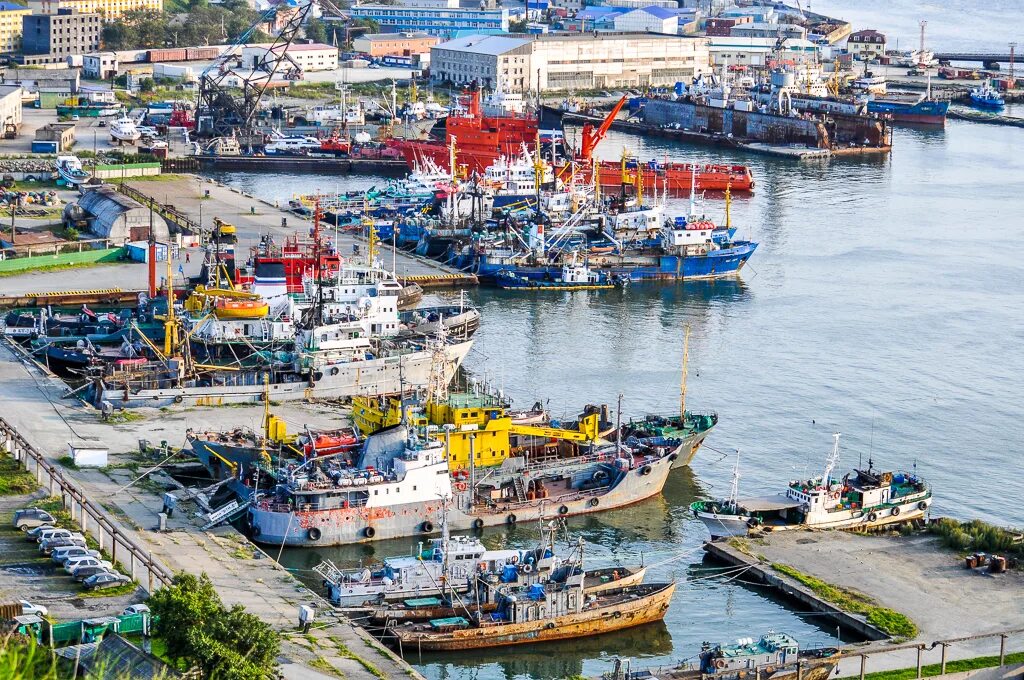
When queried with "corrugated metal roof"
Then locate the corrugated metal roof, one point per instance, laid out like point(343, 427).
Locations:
point(659, 12)
point(484, 44)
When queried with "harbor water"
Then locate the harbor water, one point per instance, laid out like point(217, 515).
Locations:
point(884, 303)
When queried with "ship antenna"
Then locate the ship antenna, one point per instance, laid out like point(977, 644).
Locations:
point(833, 460)
point(693, 191)
point(682, 384)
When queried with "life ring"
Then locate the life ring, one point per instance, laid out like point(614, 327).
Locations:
point(461, 486)
point(753, 522)
point(673, 456)
point(896, 511)
point(511, 519)
point(645, 470)
point(720, 663)
point(427, 527)
point(923, 505)
point(369, 532)
point(564, 510)
point(478, 523)
point(314, 534)
point(483, 566)
point(872, 517)
point(514, 559)
point(549, 625)
point(178, 399)
point(334, 370)
point(527, 568)
point(593, 502)
point(616, 615)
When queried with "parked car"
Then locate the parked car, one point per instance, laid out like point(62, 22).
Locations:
point(85, 561)
point(65, 552)
point(104, 581)
point(82, 573)
point(55, 532)
point(29, 608)
point(33, 534)
point(103, 123)
point(135, 609)
point(30, 518)
point(47, 547)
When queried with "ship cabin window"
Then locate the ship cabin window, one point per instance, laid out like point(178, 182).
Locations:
point(413, 487)
point(376, 491)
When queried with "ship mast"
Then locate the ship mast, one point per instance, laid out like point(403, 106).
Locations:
point(833, 460)
point(734, 488)
point(682, 384)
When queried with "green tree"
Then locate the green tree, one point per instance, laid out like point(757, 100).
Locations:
point(316, 31)
point(147, 85)
point(198, 631)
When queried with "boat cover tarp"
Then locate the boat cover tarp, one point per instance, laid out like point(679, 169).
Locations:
point(768, 503)
point(448, 622)
point(423, 602)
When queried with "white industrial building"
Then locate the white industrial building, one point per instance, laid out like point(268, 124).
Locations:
point(307, 56)
point(757, 51)
point(563, 61)
point(99, 65)
point(648, 19)
point(10, 107)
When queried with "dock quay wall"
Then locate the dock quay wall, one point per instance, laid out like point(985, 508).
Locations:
point(795, 591)
point(92, 517)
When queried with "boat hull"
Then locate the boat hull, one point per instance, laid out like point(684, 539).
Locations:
point(619, 616)
point(386, 375)
point(724, 525)
point(341, 526)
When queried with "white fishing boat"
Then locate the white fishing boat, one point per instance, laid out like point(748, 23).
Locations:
point(124, 130)
point(70, 169)
point(862, 499)
point(292, 144)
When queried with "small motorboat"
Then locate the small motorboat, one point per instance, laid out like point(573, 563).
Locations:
point(70, 170)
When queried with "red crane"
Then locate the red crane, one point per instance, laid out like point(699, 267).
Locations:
point(592, 137)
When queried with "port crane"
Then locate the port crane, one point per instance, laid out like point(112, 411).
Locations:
point(220, 111)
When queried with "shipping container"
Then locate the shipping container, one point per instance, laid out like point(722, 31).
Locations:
point(168, 54)
point(197, 53)
point(138, 251)
point(39, 146)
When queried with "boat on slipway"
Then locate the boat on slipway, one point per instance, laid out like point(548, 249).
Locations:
point(867, 499)
point(773, 656)
point(69, 168)
point(541, 612)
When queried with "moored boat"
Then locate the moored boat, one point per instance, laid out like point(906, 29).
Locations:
point(542, 612)
point(987, 97)
point(867, 499)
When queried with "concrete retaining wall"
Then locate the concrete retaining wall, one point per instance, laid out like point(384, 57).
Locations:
point(21, 264)
point(127, 170)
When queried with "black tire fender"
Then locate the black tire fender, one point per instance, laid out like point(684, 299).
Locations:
point(313, 534)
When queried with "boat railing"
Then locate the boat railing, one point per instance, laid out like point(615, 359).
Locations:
point(600, 457)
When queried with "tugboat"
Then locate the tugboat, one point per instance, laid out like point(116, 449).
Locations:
point(773, 656)
point(987, 97)
point(542, 612)
point(867, 499)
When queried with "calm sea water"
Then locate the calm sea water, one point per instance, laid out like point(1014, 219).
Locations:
point(884, 302)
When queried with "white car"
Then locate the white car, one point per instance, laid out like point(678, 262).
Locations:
point(64, 553)
point(135, 609)
point(85, 561)
point(29, 608)
point(53, 533)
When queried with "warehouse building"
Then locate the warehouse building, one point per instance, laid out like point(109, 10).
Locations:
point(564, 61)
point(394, 44)
point(114, 216)
point(307, 56)
point(10, 108)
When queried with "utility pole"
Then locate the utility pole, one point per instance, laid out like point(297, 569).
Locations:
point(1012, 83)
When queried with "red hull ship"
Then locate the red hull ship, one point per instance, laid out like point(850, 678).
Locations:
point(273, 266)
point(481, 140)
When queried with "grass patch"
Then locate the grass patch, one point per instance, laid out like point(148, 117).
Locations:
point(14, 479)
point(121, 417)
point(321, 664)
point(978, 536)
point(126, 589)
point(241, 554)
point(68, 462)
point(54, 268)
point(312, 90)
point(345, 652)
point(887, 620)
point(934, 669)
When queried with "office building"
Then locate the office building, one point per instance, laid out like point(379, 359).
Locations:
point(442, 22)
point(52, 38)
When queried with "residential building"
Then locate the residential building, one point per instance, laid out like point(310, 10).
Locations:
point(563, 61)
point(648, 19)
point(637, 4)
point(10, 26)
point(394, 44)
point(307, 56)
point(758, 29)
point(109, 9)
point(866, 45)
point(757, 51)
point(52, 38)
point(99, 65)
point(10, 108)
point(442, 22)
